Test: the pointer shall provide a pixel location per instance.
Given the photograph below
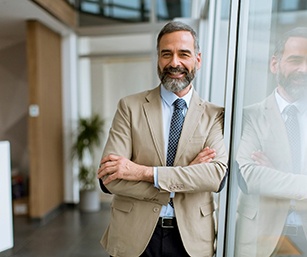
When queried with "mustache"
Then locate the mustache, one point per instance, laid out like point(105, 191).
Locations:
point(299, 77)
point(296, 77)
point(174, 70)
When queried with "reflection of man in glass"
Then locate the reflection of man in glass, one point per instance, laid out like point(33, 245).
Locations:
point(272, 157)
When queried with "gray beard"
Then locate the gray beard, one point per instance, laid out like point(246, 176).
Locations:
point(176, 85)
point(295, 84)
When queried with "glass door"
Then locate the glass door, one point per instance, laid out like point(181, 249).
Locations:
point(267, 75)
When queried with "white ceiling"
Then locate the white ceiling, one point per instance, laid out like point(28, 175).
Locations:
point(14, 13)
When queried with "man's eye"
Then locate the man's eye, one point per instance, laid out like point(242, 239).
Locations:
point(166, 55)
point(295, 60)
point(185, 55)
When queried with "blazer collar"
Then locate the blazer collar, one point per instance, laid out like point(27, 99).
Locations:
point(153, 111)
point(278, 130)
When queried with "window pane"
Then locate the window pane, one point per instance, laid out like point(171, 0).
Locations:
point(90, 7)
point(170, 9)
point(271, 174)
point(115, 11)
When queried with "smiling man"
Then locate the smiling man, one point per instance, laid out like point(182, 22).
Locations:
point(164, 159)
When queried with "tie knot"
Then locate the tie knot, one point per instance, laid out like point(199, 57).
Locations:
point(179, 104)
point(291, 110)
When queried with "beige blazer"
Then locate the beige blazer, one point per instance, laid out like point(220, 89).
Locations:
point(266, 192)
point(137, 133)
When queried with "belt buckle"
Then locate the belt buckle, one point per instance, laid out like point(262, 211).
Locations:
point(166, 226)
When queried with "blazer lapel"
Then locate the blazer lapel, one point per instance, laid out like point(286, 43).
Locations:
point(277, 128)
point(196, 109)
point(153, 113)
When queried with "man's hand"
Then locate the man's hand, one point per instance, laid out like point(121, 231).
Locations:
point(114, 167)
point(261, 159)
point(205, 155)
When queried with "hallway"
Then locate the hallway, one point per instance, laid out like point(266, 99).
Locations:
point(70, 234)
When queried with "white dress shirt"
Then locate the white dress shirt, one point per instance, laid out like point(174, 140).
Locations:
point(168, 99)
point(293, 217)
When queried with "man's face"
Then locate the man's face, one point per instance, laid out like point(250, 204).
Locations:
point(291, 72)
point(177, 62)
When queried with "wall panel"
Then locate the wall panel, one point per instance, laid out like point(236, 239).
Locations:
point(45, 119)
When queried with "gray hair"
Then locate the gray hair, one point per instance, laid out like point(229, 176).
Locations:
point(178, 26)
point(296, 32)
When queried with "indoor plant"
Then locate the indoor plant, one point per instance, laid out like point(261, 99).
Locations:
point(88, 138)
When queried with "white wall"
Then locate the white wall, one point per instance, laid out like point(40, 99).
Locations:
point(14, 103)
point(6, 219)
point(70, 115)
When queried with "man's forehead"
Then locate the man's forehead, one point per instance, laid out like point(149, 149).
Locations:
point(296, 43)
point(183, 38)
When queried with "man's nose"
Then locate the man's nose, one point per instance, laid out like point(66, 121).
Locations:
point(175, 61)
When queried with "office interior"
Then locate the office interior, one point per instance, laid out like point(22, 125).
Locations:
point(65, 59)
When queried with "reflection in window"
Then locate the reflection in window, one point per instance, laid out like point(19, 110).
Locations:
point(271, 154)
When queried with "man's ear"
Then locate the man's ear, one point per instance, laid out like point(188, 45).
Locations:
point(198, 59)
point(274, 64)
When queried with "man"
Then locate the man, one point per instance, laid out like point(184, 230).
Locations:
point(162, 209)
point(272, 209)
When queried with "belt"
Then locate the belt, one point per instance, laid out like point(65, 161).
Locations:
point(167, 222)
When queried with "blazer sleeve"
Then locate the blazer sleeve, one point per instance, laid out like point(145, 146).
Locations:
point(120, 142)
point(205, 177)
point(253, 178)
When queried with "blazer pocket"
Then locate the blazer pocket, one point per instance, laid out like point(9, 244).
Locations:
point(246, 228)
point(122, 205)
point(206, 209)
point(247, 212)
point(207, 222)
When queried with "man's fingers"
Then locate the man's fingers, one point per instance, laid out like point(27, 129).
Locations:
point(109, 179)
point(106, 168)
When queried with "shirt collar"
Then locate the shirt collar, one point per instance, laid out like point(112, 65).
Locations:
point(282, 103)
point(169, 97)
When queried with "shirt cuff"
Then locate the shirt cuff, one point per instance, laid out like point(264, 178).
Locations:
point(155, 170)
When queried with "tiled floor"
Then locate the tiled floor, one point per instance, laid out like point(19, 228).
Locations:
point(70, 234)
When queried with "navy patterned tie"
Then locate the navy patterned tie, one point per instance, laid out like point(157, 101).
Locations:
point(174, 133)
point(293, 131)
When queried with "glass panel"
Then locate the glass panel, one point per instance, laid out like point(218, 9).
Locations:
point(270, 183)
point(216, 94)
point(219, 56)
point(135, 10)
point(116, 10)
point(170, 9)
point(90, 7)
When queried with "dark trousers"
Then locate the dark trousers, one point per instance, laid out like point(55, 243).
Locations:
point(165, 242)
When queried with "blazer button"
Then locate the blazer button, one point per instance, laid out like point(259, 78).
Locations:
point(156, 209)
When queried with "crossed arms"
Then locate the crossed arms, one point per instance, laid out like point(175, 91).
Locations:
point(113, 167)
